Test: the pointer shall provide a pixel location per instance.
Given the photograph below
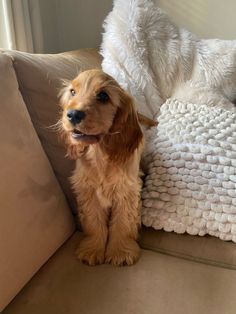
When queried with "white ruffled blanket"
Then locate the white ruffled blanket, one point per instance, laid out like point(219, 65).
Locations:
point(192, 188)
point(154, 59)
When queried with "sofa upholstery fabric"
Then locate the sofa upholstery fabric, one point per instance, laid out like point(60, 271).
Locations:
point(206, 249)
point(156, 284)
point(34, 216)
point(40, 77)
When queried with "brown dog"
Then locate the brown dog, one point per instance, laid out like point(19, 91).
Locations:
point(102, 131)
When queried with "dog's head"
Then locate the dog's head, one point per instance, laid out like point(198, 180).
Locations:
point(96, 110)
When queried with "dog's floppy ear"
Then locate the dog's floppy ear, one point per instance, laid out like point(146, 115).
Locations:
point(125, 134)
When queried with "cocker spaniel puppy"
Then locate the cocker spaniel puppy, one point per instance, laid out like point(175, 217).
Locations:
point(102, 132)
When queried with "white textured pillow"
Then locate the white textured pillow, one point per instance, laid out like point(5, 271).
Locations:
point(191, 166)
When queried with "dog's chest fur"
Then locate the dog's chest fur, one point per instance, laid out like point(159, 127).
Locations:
point(96, 173)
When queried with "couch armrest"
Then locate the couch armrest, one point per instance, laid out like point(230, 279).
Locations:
point(34, 216)
point(40, 79)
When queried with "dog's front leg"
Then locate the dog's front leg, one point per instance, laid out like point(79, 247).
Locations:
point(122, 248)
point(94, 218)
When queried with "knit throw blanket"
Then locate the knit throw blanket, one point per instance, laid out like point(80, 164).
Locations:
point(191, 171)
point(191, 155)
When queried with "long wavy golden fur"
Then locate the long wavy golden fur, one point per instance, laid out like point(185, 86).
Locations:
point(107, 144)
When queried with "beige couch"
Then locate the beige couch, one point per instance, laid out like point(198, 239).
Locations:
point(176, 273)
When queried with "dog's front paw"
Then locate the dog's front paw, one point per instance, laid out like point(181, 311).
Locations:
point(119, 255)
point(89, 254)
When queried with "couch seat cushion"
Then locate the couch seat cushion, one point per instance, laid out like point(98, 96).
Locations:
point(156, 284)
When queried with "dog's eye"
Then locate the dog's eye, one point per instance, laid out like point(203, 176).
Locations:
point(102, 97)
point(73, 92)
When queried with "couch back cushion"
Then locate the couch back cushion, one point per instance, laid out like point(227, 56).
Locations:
point(40, 78)
point(34, 216)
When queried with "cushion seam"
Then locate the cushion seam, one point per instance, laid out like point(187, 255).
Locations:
point(205, 261)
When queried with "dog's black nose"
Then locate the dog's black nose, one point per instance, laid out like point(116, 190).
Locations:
point(75, 116)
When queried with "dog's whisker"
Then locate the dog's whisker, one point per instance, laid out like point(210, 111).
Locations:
point(112, 133)
point(65, 82)
point(55, 127)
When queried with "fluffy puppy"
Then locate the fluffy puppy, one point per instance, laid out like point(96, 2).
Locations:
point(102, 132)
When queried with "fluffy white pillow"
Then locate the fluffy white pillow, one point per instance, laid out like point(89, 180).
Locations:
point(191, 166)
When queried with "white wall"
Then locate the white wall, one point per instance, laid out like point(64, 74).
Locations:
point(205, 18)
point(73, 24)
point(50, 25)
